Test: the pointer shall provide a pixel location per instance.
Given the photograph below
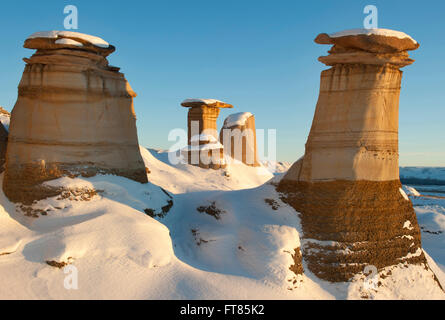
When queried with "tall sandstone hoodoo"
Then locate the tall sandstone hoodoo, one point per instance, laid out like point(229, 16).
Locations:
point(204, 149)
point(74, 116)
point(346, 187)
point(238, 136)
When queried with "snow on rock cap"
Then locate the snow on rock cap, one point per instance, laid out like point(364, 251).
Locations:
point(370, 40)
point(191, 103)
point(237, 119)
point(68, 40)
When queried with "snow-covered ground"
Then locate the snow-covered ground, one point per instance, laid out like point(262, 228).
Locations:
point(221, 234)
point(429, 204)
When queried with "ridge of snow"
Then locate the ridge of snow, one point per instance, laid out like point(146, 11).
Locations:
point(237, 119)
point(377, 31)
point(5, 119)
point(54, 34)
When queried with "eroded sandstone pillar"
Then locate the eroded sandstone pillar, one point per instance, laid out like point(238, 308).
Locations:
point(74, 116)
point(238, 136)
point(204, 148)
point(347, 187)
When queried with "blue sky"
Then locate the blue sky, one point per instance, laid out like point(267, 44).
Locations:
point(257, 55)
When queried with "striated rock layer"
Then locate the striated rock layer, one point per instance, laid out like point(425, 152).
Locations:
point(346, 187)
point(74, 116)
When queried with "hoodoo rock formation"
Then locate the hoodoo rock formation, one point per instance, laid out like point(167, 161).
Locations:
point(346, 187)
point(74, 116)
point(204, 149)
point(238, 136)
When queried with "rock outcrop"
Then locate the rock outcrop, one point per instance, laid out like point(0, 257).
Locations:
point(74, 116)
point(238, 136)
point(346, 187)
point(4, 126)
point(204, 149)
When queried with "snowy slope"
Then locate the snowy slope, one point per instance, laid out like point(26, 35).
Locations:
point(277, 167)
point(227, 235)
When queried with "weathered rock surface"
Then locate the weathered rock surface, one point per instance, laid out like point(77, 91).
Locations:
point(238, 136)
point(74, 116)
point(204, 150)
point(346, 187)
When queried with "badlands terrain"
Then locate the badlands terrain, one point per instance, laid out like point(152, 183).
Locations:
point(86, 213)
point(206, 234)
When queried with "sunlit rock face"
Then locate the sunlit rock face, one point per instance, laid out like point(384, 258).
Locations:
point(347, 186)
point(238, 136)
point(4, 126)
point(204, 149)
point(74, 116)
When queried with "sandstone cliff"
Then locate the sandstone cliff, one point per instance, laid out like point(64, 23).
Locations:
point(346, 187)
point(74, 116)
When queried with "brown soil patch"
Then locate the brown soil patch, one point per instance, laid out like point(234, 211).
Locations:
point(362, 222)
point(198, 239)
point(79, 194)
point(164, 210)
point(274, 204)
point(60, 265)
point(212, 210)
point(29, 211)
point(297, 267)
point(431, 232)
